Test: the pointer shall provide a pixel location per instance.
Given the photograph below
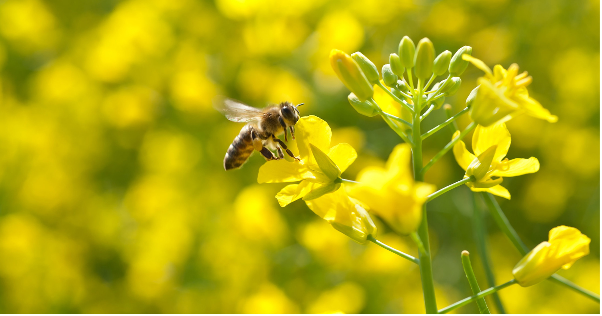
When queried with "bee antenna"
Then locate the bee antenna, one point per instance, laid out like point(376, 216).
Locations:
point(298, 105)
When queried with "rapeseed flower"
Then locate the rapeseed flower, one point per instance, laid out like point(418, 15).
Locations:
point(488, 165)
point(319, 179)
point(503, 95)
point(391, 192)
point(565, 246)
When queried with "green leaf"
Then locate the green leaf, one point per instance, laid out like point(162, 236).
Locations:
point(328, 167)
point(329, 188)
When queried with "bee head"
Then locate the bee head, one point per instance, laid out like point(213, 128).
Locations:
point(289, 113)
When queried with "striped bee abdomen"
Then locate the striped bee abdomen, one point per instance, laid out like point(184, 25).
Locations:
point(240, 149)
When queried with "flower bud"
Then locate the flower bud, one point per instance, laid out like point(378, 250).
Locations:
point(367, 67)
point(423, 60)
point(389, 77)
point(406, 52)
point(565, 246)
point(457, 64)
point(455, 85)
point(402, 86)
point(357, 225)
point(472, 96)
point(438, 103)
point(396, 65)
point(441, 63)
point(350, 73)
point(362, 107)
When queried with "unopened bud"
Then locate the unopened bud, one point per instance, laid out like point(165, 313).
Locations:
point(456, 82)
point(350, 73)
point(389, 77)
point(472, 96)
point(366, 66)
point(403, 86)
point(423, 60)
point(442, 63)
point(457, 64)
point(480, 166)
point(406, 52)
point(362, 107)
point(396, 65)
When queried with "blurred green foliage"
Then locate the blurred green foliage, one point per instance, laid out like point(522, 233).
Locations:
point(113, 195)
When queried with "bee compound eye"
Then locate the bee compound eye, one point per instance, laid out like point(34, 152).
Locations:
point(287, 113)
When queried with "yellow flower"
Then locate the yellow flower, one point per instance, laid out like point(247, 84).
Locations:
point(345, 214)
point(392, 193)
point(565, 246)
point(503, 95)
point(319, 175)
point(313, 141)
point(350, 73)
point(490, 145)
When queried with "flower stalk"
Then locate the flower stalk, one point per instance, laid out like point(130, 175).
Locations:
point(481, 294)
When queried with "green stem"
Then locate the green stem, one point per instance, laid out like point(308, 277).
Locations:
point(480, 236)
point(448, 112)
point(418, 242)
point(447, 147)
point(426, 270)
point(434, 94)
point(442, 125)
point(400, 120)
point(410, 79)
point(392, 125)
point(427, 112)
point(393, 250)
point(472, 280)
point(504, 224)
point(449, 187)
point(428, 84)
point(484, 293)
point(400, 101)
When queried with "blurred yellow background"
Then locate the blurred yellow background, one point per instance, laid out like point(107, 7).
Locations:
point(113, 196)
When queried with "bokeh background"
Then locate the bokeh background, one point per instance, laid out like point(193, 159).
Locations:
point(113, 197)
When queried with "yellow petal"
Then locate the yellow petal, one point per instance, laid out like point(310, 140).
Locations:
point(496, 190)
point(423, 190)
point(485, 137)
point(312, 129)
point(277, 171)
point(327, 206)
point(534, 108)
point(477, 63)
point(516, 167)
point(398, 164)
point(372, 177)
point(343, 155)
point(463, 156)
point(491, 105)
point(293, 192)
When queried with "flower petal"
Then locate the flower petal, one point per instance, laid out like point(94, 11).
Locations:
point(477, 63)
point(312, 129)
point(485, 137)
point(463, 156)
point(293, 192)
point(496, 190)
point(516, 167)
point(277, 171)
point(330, 205)
point(534, 108)
point(398, 165)
point(343, 155)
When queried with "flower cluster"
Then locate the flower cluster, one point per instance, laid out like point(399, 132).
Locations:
point(396, 192)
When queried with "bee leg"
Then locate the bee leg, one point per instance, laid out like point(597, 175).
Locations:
point(288, 151)
point(267, 154)
point(292, 131)
point(257, 143)
point(280, 154)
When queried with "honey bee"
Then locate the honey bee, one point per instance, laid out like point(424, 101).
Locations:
point(261, 131)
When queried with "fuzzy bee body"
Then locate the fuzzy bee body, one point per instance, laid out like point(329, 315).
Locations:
point(261, 131)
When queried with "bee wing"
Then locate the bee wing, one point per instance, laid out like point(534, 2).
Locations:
point(236, 111)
